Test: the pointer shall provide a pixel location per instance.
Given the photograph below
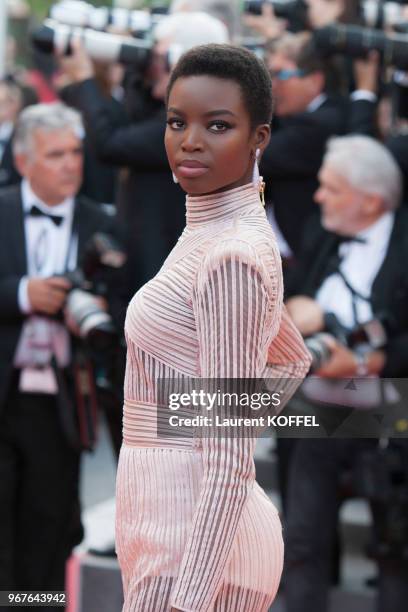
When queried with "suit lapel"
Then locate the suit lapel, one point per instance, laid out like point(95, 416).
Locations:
point(17, 234)
point(320, 270)
point(385, 282)
point(80, 227)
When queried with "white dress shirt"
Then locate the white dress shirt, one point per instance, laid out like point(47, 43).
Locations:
point(51, 250)
point(360, 264)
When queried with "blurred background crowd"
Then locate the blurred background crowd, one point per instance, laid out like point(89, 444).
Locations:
point(336, 174)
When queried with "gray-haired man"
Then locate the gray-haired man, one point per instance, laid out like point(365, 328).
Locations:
point(353, 270)
point(44, 228)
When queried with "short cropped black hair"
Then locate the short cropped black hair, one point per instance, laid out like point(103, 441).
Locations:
point(231, 63)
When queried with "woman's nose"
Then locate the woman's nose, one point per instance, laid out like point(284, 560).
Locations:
point(192, 140)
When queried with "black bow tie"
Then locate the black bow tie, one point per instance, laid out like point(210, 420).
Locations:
point(352, 239)
point(37, 212)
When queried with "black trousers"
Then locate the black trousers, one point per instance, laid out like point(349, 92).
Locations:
point(39, 497)
point(310, 528)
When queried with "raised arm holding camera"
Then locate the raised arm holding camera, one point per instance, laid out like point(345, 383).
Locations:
point(309, 109)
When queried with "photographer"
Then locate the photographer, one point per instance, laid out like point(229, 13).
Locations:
point(353, 272)
point(150, 203)
point(298, 16)
point(100, 179)
point(44, 228)
point(307, 113)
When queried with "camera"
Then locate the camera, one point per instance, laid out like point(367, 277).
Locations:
point(373, 334)
point(356, 41)
point(51, 36)
point(102, 256)
point(378, 14)
point(295, 11)
point(82, 14)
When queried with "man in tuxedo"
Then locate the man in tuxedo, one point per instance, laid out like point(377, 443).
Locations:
point(307, 113)
point(44, 229)
point(353, 267)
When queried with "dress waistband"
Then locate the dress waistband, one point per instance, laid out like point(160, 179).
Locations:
point(147, 425)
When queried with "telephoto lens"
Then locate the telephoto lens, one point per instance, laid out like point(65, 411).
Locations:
point(356, 41)
point(320, 352)
point(82, 14)
point(281, 8)
point(92, 323)
point(102, 46)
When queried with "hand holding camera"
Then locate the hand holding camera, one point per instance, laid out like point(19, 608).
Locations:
point(48, 295)
point(78, 66)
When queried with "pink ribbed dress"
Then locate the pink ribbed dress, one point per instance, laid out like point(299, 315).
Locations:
point(194, 530)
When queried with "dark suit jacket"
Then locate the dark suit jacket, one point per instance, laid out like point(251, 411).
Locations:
point(292, 159)
point(100, 179)
point(8, 173)
point(398, 145)
point(389, 291)
point(88, 219)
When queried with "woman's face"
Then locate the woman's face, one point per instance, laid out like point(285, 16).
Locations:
point(209, 141)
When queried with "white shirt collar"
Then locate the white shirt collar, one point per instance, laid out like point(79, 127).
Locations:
point(6, 130)
point(29, 198)
point(379, 232)
point(316, 103)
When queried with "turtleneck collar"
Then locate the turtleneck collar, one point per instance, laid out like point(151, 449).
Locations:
point(221, 206)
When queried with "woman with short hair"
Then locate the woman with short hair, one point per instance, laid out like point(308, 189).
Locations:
point(195, 532)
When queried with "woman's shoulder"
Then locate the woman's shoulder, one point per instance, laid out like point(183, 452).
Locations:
point(252, 243)
point(251, 246)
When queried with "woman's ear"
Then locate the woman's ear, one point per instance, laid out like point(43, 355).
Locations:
point(262, 136)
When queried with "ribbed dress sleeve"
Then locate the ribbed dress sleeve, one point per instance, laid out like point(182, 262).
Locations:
point(237, 307)
point(288, 356)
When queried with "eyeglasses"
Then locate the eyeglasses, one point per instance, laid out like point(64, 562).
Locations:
point(286, 74)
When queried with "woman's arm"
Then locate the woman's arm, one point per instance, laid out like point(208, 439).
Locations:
point(236, 309)
point(287, 355)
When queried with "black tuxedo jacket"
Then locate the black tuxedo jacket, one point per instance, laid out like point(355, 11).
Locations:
point(291, 161)
point(8, 173)
point(389, 291)
point(88, 219)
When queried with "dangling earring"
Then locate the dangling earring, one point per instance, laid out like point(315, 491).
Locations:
point(257, 179)
point(175, 179)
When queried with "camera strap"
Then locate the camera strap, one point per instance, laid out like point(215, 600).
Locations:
point(354, 295)
point(333, 267)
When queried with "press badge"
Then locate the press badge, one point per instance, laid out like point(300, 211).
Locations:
point(38, 380)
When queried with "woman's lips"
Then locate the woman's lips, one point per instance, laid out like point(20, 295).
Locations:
point(191, 169)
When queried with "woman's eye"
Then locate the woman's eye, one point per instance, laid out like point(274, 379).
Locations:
point(219, 126)
point(175, 124)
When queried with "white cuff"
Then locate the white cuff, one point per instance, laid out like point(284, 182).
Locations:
point(23, 299)
point(363, 94)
